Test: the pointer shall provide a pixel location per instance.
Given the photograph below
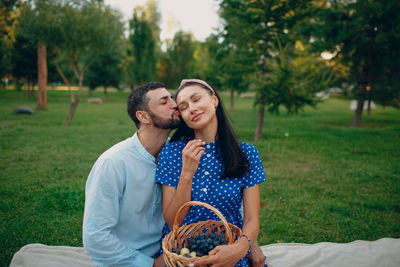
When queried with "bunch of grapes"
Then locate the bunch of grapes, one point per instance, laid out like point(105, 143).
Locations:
point(204, 243)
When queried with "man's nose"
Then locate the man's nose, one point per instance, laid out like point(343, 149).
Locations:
point(173, 104)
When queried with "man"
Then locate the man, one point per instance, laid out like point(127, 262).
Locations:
point(123, 218)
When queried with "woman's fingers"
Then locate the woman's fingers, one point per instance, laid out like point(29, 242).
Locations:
point(193, 149)
point(193, 144)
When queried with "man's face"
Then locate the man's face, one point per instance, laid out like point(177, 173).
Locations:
point(162, 109)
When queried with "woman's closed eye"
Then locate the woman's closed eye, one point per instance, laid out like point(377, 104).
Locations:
point(182, 106)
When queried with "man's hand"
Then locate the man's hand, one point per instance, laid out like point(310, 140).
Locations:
point(159, 262)
point(256, 257)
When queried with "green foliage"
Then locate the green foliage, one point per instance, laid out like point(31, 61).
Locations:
point(87, 29)
point(24, 59)
point(5, 57)
point(259, 41)
point(294, 80)
point(364, 37)
point(325, 180)
point(37, 21)
point(143, 49)
point(176, 62)
point(105, 71)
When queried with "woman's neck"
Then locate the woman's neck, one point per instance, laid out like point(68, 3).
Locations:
point(207, 134)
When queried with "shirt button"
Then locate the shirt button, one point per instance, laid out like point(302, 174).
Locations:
point(208, 155)
point(208, 146)
point(206, 173)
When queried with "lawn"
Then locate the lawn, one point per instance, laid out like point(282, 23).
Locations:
point(326, 181)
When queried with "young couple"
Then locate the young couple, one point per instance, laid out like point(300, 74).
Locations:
point(135, 188)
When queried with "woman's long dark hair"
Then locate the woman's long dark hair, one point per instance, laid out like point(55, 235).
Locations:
point(234, 161)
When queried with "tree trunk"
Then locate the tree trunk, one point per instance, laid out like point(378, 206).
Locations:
point(72, 109)
point(260, 119)
point(32, 91)
point(74, 102)
point(105, 94)
point(41, 101)
point(261, 102)
point(26, 86)
point(360, 106)
point(232, 106)
point(369, 107)
point(91, 92)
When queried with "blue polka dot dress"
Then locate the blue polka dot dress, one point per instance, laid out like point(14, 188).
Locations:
point(207, 185)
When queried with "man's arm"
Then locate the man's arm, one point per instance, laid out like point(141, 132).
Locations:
point(103, 190)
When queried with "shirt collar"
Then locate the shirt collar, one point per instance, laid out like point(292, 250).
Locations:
point(140, 148)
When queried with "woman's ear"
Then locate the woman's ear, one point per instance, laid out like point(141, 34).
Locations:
point(143, 116)
point(215, 100)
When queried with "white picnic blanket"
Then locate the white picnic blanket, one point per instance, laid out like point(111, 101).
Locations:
point(384, 252)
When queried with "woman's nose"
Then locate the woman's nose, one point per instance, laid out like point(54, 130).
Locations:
point(192, 108)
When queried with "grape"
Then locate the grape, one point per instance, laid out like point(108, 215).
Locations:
point(204, 243)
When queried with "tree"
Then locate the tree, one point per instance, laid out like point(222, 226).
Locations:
point(86, 29)
point(142, 49)
point(176, 61)
point(105, 71)
point(254, 26)
point(234, 61)
point(37, 24)
point(295, 78)
point(364, 37)
point(8, 16)
point(24, 59)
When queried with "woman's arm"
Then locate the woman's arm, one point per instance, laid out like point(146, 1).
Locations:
point(251, 208)
point(229, 255)
point(173, 198)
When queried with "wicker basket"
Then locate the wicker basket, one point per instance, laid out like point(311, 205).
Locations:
point(179, 235)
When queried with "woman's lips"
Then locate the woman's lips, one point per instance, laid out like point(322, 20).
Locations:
point(197, 117)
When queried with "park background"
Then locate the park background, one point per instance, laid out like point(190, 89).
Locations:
point(287, 72)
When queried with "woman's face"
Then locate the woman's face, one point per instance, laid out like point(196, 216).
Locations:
point(197, 106)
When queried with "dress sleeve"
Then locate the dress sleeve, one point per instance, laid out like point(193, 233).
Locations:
point(256, 174)
point(165, 167)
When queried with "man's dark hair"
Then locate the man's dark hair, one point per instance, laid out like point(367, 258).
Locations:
point(234, 160)
point(138, 100)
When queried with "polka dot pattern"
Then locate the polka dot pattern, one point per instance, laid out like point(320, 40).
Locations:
point(207, 186)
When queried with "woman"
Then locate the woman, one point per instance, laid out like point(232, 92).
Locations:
point(205, 162)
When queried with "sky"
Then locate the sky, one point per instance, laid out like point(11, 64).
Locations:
point(197, 16)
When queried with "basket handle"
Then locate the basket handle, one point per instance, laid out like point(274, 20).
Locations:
point(217, 212)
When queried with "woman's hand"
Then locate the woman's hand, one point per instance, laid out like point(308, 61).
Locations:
point(256, 256)
point(191, 155)
point(223, 256)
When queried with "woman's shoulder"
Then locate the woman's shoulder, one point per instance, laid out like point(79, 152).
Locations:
point(248, 148)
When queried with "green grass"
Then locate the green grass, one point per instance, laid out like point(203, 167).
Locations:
point(326, 181)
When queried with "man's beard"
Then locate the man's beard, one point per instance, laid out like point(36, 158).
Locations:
point(162, 123)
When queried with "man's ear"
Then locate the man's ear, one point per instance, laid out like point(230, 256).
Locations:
point(143, 117)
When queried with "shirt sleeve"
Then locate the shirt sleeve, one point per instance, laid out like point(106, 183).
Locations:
point(166, 164)
point(256, 174)
point(104, 188)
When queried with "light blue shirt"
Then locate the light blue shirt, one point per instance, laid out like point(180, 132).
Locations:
point(123, 219)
